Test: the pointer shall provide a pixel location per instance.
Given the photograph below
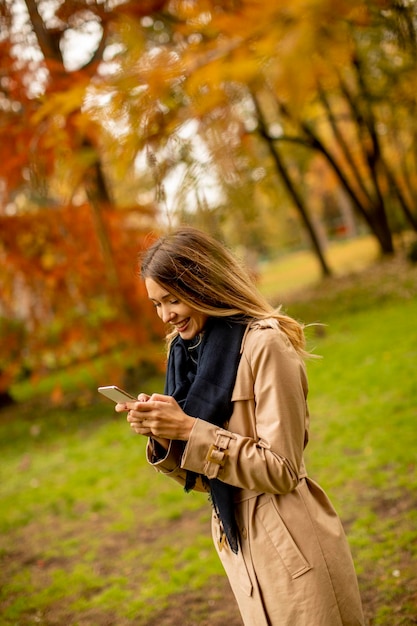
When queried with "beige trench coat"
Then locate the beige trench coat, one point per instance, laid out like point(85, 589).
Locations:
point(294, 566)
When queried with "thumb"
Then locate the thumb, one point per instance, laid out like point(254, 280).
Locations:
point(159, 397)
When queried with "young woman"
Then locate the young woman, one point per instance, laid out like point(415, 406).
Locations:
point(234, 421)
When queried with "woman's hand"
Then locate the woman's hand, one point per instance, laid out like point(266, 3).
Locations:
point(158, 416)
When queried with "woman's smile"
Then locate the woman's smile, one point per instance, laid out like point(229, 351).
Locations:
point(184, 318)
point(181, 326)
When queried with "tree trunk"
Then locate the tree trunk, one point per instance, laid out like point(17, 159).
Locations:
point(99, 197)
point(292, 191)
point(375, 216)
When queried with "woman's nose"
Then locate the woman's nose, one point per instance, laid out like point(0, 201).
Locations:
point(167, 315)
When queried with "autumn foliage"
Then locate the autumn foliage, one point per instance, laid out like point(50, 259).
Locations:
point(105, 106)
point(69, 281)
point(62, 303)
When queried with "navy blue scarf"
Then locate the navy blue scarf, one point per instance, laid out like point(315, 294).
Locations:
point(201, 379)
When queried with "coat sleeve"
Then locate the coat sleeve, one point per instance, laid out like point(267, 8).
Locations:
point(270, 460)
point(169, 463)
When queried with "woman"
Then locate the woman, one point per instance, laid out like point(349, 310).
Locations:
point(234, 421)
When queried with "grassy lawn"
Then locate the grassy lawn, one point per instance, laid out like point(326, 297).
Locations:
point(363, 403)
point(91, 536)
point(301, 269)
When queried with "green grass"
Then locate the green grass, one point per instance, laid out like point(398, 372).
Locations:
point(301, 269)
point(76, 493)
point(91, 535)
point(369, 365)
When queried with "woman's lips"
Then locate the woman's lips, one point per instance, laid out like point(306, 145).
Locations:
point(182, 325)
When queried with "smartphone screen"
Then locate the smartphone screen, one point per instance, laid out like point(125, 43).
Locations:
point(116, 394)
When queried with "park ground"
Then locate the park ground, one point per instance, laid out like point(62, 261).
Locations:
point(91, 536)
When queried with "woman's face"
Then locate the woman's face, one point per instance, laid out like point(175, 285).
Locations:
point(184, 318)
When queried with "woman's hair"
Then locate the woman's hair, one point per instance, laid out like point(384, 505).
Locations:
point(201, 272)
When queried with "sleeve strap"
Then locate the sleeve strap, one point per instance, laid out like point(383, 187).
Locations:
point(218, 453)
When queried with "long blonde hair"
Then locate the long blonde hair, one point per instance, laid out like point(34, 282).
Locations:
point(203, 273)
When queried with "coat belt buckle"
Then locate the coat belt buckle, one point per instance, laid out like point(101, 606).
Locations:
point(217, 455)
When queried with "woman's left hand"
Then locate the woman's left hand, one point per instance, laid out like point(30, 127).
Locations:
point(161, 417)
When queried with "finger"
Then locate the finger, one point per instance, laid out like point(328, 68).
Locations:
point(134, 419)
point(143, 397)
point(125, 406)
point(143, 407)
point(120, 407)
point(141, 430)
point(159, 397)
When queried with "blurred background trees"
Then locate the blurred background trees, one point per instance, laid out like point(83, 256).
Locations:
point(270, 125)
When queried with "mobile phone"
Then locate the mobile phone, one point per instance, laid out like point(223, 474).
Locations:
point(116, 394)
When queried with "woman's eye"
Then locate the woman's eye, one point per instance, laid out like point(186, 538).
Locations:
point(173, 301)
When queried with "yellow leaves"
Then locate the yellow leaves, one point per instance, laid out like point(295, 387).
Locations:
point(61, 131)
point(61, 103)
point(289, 45)
point(250, 18)
point(48, 260)
point(208, 45)
point(169, 70)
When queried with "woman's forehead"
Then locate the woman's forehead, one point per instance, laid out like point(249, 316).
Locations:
point(155, 290)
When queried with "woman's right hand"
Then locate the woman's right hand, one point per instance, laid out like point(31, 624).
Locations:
point(137, 425)
point(130, 406)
